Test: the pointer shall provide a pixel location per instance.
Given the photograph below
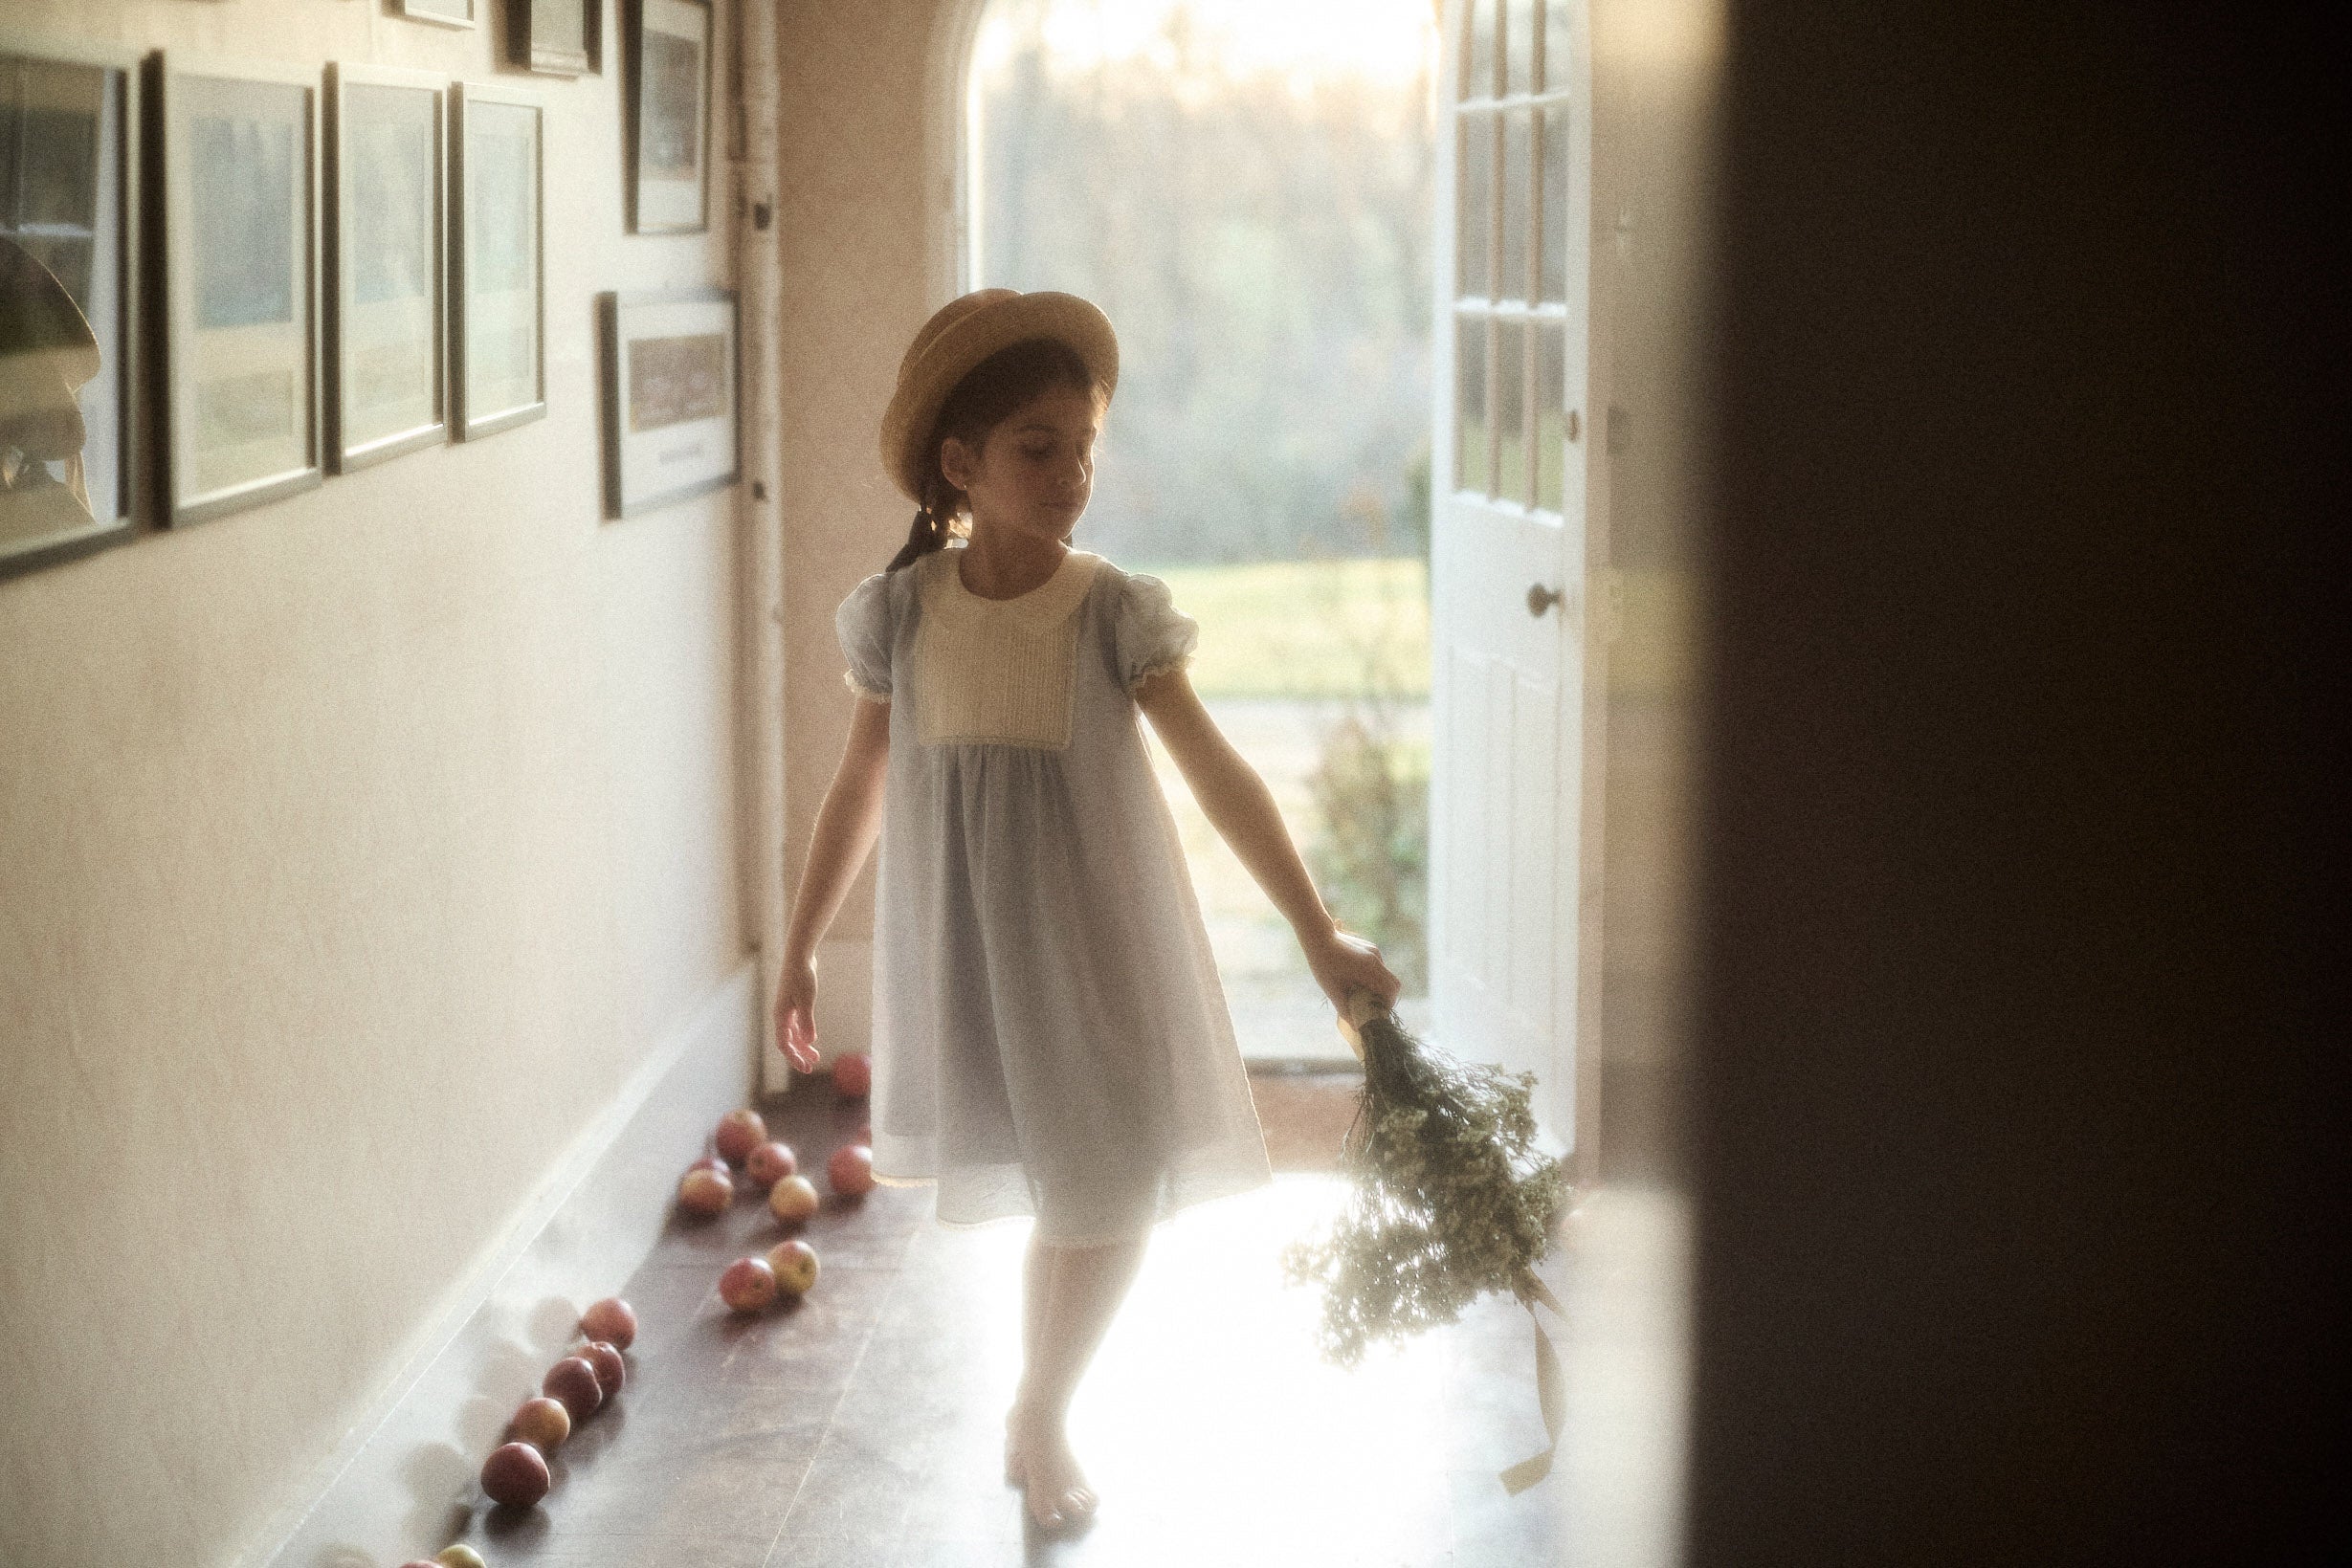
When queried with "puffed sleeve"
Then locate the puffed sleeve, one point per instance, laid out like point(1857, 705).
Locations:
point(862, 623)
point(1150, 633)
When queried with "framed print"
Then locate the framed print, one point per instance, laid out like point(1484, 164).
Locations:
point(447, 12)
point(498, 268)
point(669, 115)
point(556, 37)
point(70, 423)
point(240, 165)
point(385, 252)
point(669, 397)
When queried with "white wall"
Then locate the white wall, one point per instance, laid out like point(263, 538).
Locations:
point(354, 852)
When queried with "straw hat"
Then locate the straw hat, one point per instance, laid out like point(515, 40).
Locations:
point(958, 335)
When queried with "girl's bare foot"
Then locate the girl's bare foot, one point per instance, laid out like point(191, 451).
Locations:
point(1037, 1458)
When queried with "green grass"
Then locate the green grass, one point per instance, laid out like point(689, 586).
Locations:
point(1306, 628)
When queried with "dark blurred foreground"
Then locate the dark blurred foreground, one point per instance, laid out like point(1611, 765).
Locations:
point(2015, 1131)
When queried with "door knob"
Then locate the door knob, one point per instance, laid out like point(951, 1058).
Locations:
point(1541, 598)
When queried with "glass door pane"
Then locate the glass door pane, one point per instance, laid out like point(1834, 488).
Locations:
point(1511, 411)
point(1478, 60)
point(1552, 236)
point(1556, 57)
point(1551, 414)
point(1519, 38)
point(1474, 197)
point(1470, 430)
point(1517, 189)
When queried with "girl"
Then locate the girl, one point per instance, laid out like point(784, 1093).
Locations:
point(1050, 1036)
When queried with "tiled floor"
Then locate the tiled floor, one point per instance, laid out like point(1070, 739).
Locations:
point(863, 1428)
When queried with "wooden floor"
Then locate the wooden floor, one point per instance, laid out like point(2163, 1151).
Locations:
point(863, 1428)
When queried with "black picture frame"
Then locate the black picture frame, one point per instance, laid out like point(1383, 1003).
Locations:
point(98, 155)
point(668, 382)
point(498, 268)
point(387, 295)
point(667, 102)
point(556, 37)
point(239, 144)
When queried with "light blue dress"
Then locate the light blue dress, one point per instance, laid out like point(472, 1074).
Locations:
point(1050, 1035)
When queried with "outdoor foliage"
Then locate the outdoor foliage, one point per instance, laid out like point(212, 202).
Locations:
point(1371, 859)
point(1355, 631)
point(1369, 851)
point(1307, 629)
point(1262, 244)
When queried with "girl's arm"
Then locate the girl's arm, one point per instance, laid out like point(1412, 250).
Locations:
point(1242, 809)
point(847, 825)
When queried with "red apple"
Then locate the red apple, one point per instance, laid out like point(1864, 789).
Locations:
point(543, 1422)
point(739, 1132)
point(610, 1370)
point(712, 1162)
point(792, 1199)
point(771, 1163)
point(612, 1320)
point(515, 1474)
point(459, 1556)
point(853, 1074)
point(705, 1192)
point(573, 1381)
point(748, 1285)
point(851, 1169)
point(794, 1264)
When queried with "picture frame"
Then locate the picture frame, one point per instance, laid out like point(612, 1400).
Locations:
point(669, 367)
point(668, 96)
point(556, 37)
point(440, 12)
point(73, 437)
point(387, 263)
point(238, 146)
point(498, 350)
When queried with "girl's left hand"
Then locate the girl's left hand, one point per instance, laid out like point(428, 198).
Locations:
point(1342, 962)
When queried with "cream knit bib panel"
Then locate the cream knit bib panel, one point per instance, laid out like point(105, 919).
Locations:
point(999, 670)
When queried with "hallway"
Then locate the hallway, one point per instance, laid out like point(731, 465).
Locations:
point(863, 1429)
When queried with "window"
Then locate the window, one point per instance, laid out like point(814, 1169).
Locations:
point(1511, 271)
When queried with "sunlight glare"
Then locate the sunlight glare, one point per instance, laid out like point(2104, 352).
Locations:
point(1390, 40)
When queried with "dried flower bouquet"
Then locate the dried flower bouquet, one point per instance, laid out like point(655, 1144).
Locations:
point(1452, 1199)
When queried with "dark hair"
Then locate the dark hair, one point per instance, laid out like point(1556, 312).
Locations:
point(984, 399)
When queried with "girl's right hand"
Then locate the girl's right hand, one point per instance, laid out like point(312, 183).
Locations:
point(796, 1014)
point(1342, 962)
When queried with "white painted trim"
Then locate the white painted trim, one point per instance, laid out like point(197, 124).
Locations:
point(950, 161)
point(762, 657)
point(592, 1221)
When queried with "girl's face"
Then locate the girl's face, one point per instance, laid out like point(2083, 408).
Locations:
point(1035, 470)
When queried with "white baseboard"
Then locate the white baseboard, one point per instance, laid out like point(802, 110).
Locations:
point(396, 1488)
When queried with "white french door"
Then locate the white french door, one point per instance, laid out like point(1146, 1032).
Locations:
point(1507, 562)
